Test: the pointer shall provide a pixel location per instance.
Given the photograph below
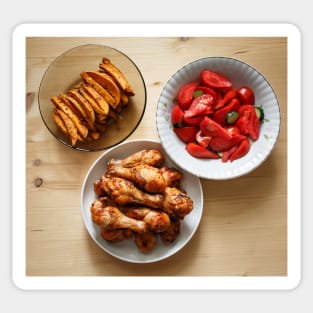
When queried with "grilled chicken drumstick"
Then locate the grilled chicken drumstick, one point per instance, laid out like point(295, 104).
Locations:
point(125, 192)
point(149, 178)
point(173, 201)
point(115, 235)
point(176, 202)
point(156, 221)
point(150, 157)
point(112, 218)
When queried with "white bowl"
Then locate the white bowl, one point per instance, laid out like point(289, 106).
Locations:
point(240, 74)
point(127, 250)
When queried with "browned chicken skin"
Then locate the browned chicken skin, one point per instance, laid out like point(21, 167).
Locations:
point(169, 235)
point(176, 202)
point(124, 192)
point(145, 242)
point(149, 178)
point(156, 221)
point(173, 201)
point(112, 218)
point(150, 157)
point(115, 235)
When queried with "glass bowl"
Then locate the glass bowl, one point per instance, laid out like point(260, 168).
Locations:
point(64, 73)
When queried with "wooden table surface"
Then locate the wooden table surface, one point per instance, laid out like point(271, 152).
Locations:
point(243, 231)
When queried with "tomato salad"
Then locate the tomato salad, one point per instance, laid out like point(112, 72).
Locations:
point(214, 119)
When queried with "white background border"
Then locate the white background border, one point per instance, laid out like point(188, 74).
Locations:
point(156, 283)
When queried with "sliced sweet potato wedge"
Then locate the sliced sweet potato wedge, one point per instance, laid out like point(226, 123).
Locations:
point(60, 105)
point(108, 83)
point(70, 126)
point(100, 89)
point(94, 104)
point(59, 122)
point(102, 104)
point(85, 104)
point(111, 69)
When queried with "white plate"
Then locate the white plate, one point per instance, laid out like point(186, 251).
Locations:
point(240, 74)
point(127, 249)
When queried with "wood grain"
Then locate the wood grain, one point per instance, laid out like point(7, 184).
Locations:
point(243, 231)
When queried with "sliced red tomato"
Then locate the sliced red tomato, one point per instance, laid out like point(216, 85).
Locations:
point(221, 144)
point(248, 122)
point(202, 140)
point(200, 105)
point(254, 125)
point(243, 120)
point(186, 134)
point(246, 95)
point(229, 95)
point(232, 130)
point(228, 153)
point(185, 95)
point(215, 80)
point(242, 149)
point(192, 121)
point(211, 128)
point(220, 115)
point(198, 151)
point(177, 116)
point(207, 90)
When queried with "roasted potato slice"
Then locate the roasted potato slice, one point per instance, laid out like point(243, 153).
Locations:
point(74, 109)
point(124, 98)
point(59, 122)
point(108, 83)
point(94, 135)
point(59, 104)
point(91, 101)
point(100, 89)
point(85, 105)
point(116, 75)
point(71, 102)
point(70, 126)
point(102, 105)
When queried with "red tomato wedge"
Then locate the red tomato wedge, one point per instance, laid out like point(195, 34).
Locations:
point(185, 95)
point(246, 95)
point(186, 134)
point(220, 115)
point(229, 95)
point(221, 144)
point(215, 80)
point(207, 90)
point(248, 122)
point(198, 151)
point(177, 116)
point(201, 105)
point(241, 150)
point(211, 128)
point(192, 121)
point(202, 140)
